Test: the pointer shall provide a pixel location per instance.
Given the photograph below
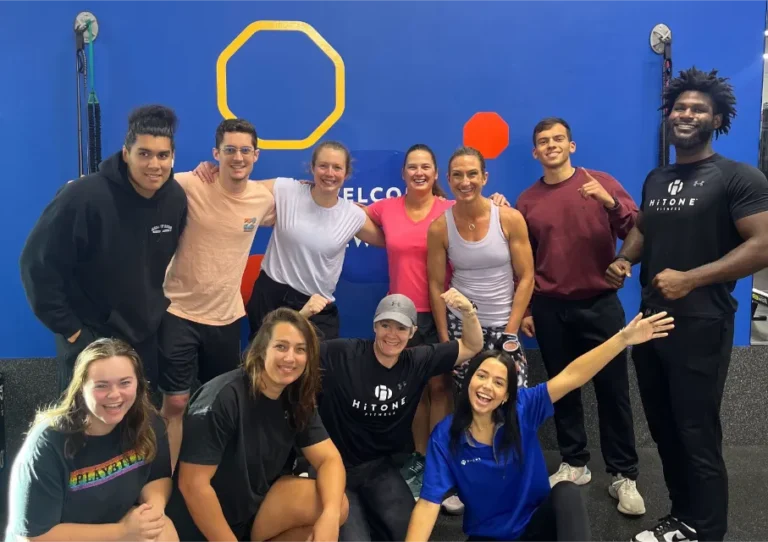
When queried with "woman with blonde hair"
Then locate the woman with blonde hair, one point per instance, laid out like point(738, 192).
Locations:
point(95, 466)
point(233, 481)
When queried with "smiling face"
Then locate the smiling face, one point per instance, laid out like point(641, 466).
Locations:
point(329, 169)
point(236, 155)
point(149, 161)
point(392, 337)
point(109, 392)
point(419, 172)
point(488, 387)
point(692, 120)
point(553, 147)
point(285, 358)
point(466, 178)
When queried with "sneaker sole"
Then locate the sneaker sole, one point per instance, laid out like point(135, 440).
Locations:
point(620, 508)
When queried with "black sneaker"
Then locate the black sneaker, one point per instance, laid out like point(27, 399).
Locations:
point(669, 529)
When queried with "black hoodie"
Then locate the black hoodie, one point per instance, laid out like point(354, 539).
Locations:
point(98, 254)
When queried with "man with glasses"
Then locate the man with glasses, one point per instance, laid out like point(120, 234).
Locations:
point(200, 332)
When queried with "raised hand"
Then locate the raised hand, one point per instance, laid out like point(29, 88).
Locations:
point(315, 305)
point(206, 171)
point(456, 300)
point(641, 330)
point(593, 189)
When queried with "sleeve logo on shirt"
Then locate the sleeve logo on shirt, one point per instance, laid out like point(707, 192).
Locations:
point(162, 228)
point(249, 224)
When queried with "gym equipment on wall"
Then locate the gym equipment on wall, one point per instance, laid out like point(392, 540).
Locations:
point(86, 30)
point(661, 43)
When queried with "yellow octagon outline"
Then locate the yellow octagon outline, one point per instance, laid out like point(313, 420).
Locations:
point(324, 46)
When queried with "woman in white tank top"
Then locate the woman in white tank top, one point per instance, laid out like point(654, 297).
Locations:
point(489, 250)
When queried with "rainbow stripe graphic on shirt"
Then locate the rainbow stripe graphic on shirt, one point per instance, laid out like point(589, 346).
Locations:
point(105, 472)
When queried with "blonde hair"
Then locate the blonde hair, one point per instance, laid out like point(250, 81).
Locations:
point(70, 415)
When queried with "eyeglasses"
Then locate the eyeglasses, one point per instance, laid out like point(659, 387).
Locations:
point(230, 150)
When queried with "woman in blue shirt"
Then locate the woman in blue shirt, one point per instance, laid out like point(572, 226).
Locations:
point(489, 450)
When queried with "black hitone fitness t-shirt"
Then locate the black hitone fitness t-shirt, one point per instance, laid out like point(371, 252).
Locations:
point(368, 409)
point(249, 437)
point(98, 485)
point(689, 215)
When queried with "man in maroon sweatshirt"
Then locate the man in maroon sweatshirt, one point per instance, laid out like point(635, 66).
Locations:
point(574, 217)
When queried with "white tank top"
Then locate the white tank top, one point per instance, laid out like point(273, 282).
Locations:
point(307, 247)
point(482, 270)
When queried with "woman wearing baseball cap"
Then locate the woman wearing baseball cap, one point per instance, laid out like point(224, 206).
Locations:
point(370, 391)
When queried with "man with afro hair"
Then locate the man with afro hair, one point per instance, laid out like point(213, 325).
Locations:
point(703, 225)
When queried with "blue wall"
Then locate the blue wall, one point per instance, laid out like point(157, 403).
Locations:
point(415, 72)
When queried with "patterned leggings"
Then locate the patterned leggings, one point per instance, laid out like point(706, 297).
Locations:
point(491, 336)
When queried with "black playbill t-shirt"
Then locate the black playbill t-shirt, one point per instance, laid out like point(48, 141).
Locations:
point(248, 436)
point(689, 215)
point(368, 409)
point(98, 485)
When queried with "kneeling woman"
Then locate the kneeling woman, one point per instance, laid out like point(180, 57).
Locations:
point(96, 466)
point(239, 432)
point(489, 449)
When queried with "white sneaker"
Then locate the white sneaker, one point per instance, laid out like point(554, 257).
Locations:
point(668, 529)
point(625, 491)
point(567, 473)
point(453, 505)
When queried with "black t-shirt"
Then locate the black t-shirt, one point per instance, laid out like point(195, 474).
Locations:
point(98, 485)
point(689, 214)
point(249, 436)
point(369, 409)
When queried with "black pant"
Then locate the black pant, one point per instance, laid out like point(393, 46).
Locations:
point(380, 503)
point(189, 350)
point(565, 330)
point(66, 355)
point(563, 516)
point(681, 379)
point(269, 295)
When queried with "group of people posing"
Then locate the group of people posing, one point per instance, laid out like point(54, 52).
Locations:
point(137, 270)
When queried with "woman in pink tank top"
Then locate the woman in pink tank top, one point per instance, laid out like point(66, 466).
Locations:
point(405, 221)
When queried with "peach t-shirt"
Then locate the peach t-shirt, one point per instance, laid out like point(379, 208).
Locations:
point(203, 279)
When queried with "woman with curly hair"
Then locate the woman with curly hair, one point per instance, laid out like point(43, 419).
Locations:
point(233, 480)
point(95, 466)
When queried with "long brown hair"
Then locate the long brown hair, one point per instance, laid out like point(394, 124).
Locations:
point(301, 395)
point(71, 414)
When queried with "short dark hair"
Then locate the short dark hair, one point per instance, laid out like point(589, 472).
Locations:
point(549, 122)
point(467, 151)
point(241, 126)
point(436, 189)
point(153, 120)
point(717, 88)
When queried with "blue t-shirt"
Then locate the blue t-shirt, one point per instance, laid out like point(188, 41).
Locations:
point(499, 498)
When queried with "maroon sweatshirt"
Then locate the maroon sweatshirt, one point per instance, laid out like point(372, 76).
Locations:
point(574, 239)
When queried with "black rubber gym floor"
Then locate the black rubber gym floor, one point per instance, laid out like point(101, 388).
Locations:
point(747, 517)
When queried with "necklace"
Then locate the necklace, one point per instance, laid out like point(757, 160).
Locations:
point(471, 227)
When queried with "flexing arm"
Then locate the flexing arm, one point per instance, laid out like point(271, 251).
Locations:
point(471, 341)
point(522, 263)
point(436, 266)
point(331, 481)
point(748, 258)
point(583, 368)
point(202, 502)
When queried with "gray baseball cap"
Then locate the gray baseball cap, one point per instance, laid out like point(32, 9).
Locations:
point(396, 307)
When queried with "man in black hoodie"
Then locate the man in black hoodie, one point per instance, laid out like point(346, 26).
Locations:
point(94, 264)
